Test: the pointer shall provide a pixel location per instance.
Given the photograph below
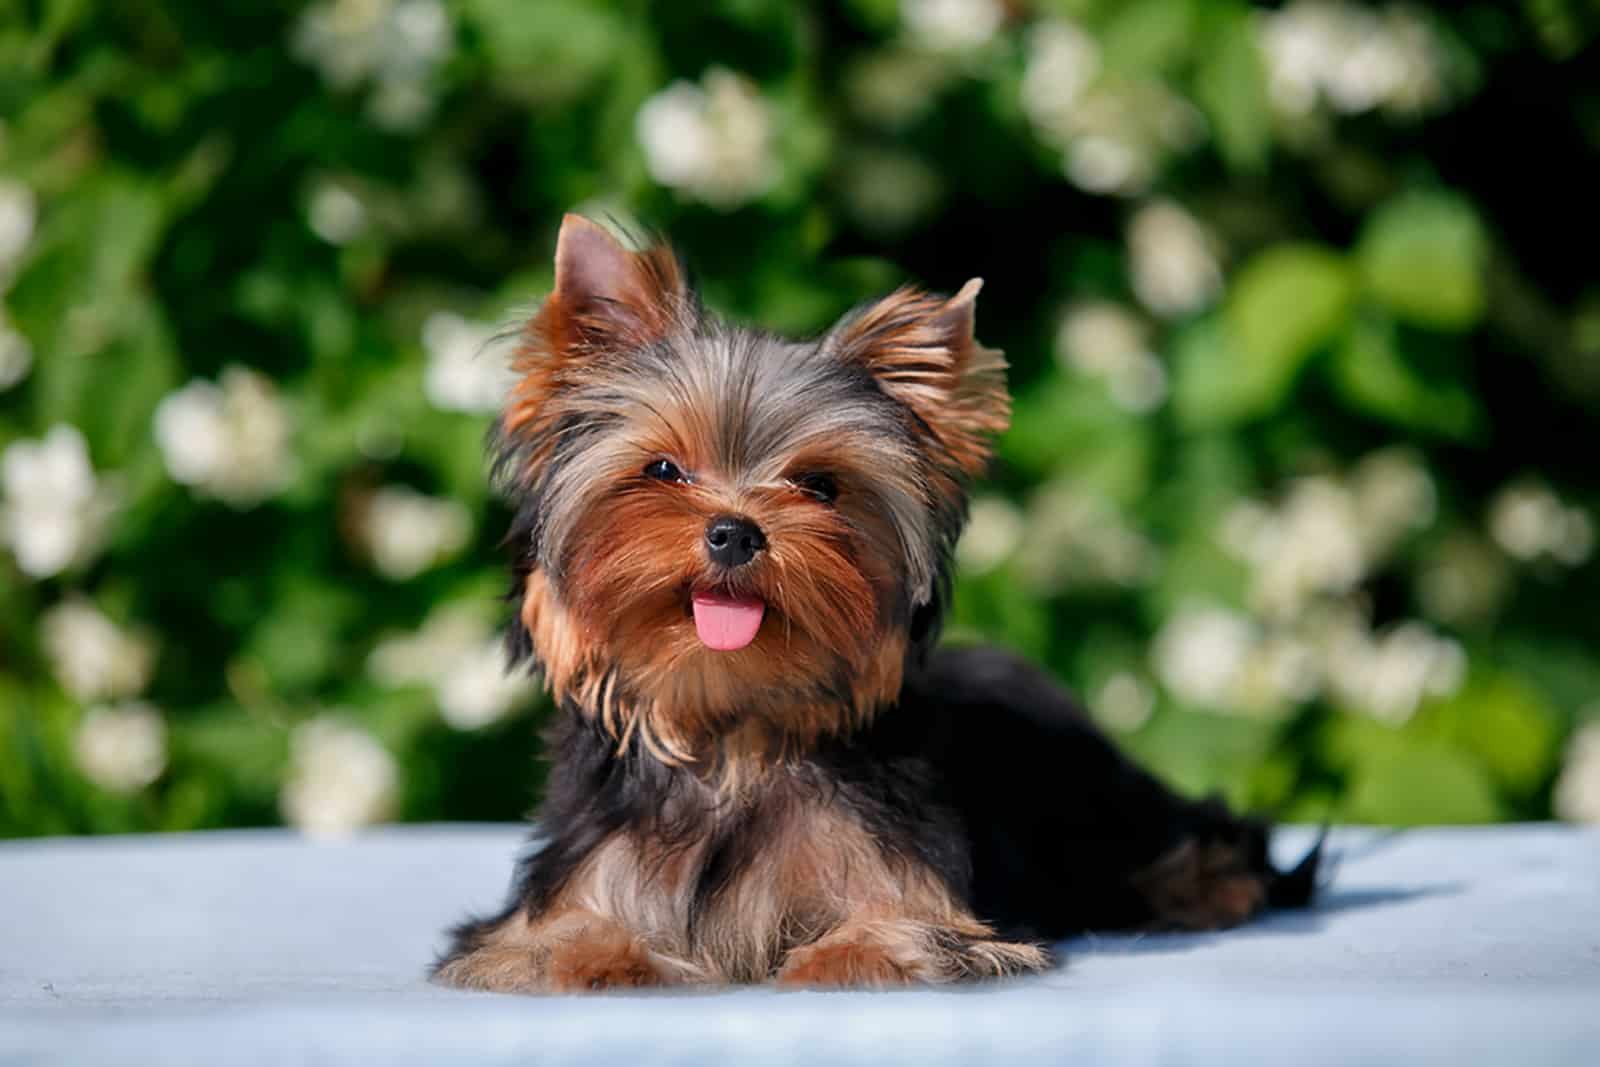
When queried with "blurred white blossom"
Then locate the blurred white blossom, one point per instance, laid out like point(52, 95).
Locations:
point(228, 439)
point(1464, 580)
point(888, 191)
point(460, 656)
point(53, 511)
point(121, 747)
point(1388, 675)
point(335, 214)
point(406, 532)
point(1351, 57)
point(712, 141)
point(18, 213)
point(1125, 702)
point(340, 778)
point(994, 528)
point(1104, 340)
point(1113, 131)
point(1062, 61)
point(1073, 537)
point(896, 86)
point(94, 658)
point(1200, 652)
point(464, 371)
point(952, 25)
point(1328, 534)
point(1530, 522)
point(1577, 792)
point(395, 45)
point(16, 354)
point(1172, 260)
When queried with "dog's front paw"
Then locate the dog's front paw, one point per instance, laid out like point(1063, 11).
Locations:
point(600, 955)
point(846, 962)
point(900, 952)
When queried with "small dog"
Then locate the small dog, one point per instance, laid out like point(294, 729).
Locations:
point(732, 553)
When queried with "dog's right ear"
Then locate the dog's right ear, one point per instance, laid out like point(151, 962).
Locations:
point(607, 299)
point(607, 296)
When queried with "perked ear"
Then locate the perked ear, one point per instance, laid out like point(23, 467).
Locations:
point(607, 298)
point(921, 349)
point(608, 295)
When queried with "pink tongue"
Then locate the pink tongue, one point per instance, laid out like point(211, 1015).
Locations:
point(725, 623)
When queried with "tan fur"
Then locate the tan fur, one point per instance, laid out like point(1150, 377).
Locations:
point(922, 350)
point(821, 904)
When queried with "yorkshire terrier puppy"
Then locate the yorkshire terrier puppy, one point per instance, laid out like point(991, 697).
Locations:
point(732, 553)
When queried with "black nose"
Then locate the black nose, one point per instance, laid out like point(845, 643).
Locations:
point(732, 541)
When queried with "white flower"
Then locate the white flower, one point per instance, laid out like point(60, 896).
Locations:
point(458, 654)
point(228, 439)
point(55, 511)
point(94, 658)
point(1465, 581)
point(1200, 652)
point(1104, 340)
point(1075, 538)
point(1394, 495)
point(712, 140)
point(1311, 545)
point(1124, 702)
point(1062, 61)
point(335, 214)
point(123, 747)
point(888, 191)
point(952, 25)
point(340, 778)
point(464, 372)
point(479, 689)
point(895, 86)
point(1577, 793)
point(407, 532)
point(1530, 522)
point(1103, 163)
point(1355, 59)
point(16, 354)
point(994, 527)
point(1388, 676)
point(1172, 260)
point(397, 45)
point(17, 214)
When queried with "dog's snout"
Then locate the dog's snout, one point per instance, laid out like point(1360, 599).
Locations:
point(733, 541)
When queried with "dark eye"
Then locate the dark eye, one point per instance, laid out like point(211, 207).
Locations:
point(664, 470)
point(822, 486)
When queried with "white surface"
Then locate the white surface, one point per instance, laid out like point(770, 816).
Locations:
point(1437, 946)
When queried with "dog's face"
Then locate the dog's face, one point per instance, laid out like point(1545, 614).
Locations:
point(715, 523)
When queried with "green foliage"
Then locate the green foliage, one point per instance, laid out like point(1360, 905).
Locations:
point(1296, 490)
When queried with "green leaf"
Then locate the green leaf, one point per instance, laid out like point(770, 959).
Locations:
point(1231, 85)
point(1423, 257)
point(1420, 785)
point(1285, 303)
point(1372, 374)
point(1504, 724)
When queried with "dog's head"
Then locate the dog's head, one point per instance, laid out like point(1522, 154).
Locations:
point(716, 524)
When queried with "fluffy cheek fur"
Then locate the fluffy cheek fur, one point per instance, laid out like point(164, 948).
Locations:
point(830, 648)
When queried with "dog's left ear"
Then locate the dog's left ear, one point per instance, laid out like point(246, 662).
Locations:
point(921, 349)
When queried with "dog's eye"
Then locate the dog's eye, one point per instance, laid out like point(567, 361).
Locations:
point(817, 484)
point(664, 470)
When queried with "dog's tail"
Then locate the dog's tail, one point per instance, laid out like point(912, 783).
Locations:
point(1296, 887)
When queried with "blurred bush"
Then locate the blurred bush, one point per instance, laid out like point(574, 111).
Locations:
point(1305, 346)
